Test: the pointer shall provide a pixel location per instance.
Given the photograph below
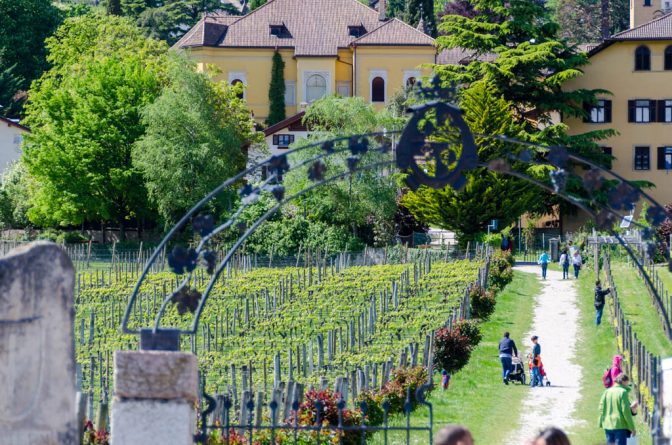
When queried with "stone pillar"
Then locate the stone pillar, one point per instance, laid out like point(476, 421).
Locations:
point(37, 349)
point(155, 393)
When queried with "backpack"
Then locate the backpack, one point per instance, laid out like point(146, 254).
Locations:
point(606, 379)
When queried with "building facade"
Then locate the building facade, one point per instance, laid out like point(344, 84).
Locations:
point(11, 138)
point(329, 47)
point(643, 11)
point(636, 67)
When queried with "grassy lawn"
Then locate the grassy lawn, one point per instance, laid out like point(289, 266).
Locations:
point(665, 275)
point(597, 345)
point(639, 309)
point(477, 398)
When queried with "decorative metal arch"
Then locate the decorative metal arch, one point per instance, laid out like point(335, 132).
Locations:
point(418, 147)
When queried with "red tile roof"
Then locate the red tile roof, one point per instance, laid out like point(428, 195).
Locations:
point(315, 27)
point(395, 32)
point(656, 29)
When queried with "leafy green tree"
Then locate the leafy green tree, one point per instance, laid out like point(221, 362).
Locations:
point(196, 132)
point(276, 91)
point(254, 4)
point(417, 10)
point(114, 7)
point(25, 26)
point(14, 195)
point(364, 202)
point(167, 19)
point(487, 195)
point(10, 84)
point(85, 118)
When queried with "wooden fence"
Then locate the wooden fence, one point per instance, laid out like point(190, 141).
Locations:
point(642, 366)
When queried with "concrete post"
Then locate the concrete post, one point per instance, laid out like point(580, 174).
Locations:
point(155, 394)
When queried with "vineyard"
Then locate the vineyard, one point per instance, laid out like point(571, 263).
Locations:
point(264, 326)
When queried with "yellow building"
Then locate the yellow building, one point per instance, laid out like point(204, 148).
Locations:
point(643, 11)
point(636, 67)
point(329, 47)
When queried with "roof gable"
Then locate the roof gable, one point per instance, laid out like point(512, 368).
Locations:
point(11, 123)
point(315, 28)
point(395, 32)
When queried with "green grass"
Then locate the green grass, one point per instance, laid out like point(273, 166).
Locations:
point(477, 398)
point(639, 309)
point(666, 276)
point(596, 348)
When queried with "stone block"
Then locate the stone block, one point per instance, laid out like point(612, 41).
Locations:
point(152, 422)
point(156, 375)
point(37, 356)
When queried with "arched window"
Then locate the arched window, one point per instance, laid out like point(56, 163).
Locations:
point(241, 93)
point(316, 87)
point(378, 89)
point(642, 59)
point(668, 58)
point(410, 81)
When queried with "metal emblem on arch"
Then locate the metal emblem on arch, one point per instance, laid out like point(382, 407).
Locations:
point(450, 158)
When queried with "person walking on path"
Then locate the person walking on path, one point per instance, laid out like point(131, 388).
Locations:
point(507, 348)
point(536, 363)
point(599, 301)
point(610, 374)
point(577, 262)
point(564, 262)
point(616, 412)
point(543, 261)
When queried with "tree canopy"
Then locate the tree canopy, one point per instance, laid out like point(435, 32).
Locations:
point(487, 195)
point(195, 136)
point(85, 118)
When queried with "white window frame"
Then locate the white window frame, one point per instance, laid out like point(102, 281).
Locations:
point(344, 84)
point(372, 75)
point(306, 76)
point(233, 75)
point(598, 112)
point(642, 112)
point(411, 73)
point(290, 85)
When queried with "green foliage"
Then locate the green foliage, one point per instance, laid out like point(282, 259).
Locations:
point(14, 195)
point(85, 117)
point(25, 26)
point(167, 19)
point(113, 7)
point(195, 134)
point(404, 381)
point(364, 202)
point(453, 346)
point(487, 195)
point(276, 91)
point(580, 20)
point(482, 302)
point(10, 84)
point(501, 270)
point(417, 10)
point(254, 4)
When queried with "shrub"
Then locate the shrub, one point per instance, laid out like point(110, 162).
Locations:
point(501, 270)
point(93, 437)
point(71, 238)
point(404, 382)
point(327, 402)
point(482, 302)
point(371, 404)
point(452, 347)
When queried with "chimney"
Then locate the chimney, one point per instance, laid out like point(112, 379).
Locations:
point(382, 10)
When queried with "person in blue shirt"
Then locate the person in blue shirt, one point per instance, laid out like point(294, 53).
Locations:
point(543, 261)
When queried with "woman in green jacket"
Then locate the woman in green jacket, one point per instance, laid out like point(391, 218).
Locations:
point(616, 412)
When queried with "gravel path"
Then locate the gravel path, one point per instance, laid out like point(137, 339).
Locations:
point(556, 319)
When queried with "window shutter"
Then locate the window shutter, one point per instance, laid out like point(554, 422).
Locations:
point(275, 139)
point(631, 111)
point(586, 108)
point(653, 117)
point(661, 158)
point(660, 116)
point(607, 111)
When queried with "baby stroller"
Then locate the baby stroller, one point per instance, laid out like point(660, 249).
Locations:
point(517, 372)
point(544, 376)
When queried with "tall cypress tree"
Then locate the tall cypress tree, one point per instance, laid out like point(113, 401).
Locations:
point(276, 91)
